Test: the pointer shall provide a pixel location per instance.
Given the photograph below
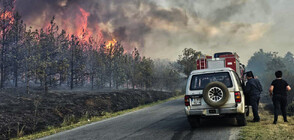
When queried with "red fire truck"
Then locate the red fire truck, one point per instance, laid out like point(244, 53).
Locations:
point(222, 60)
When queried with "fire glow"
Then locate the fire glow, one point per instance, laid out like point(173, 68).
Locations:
point(82, 30)
point(110, 43)
point(7, 15)
point(85, 33)
point(76, 24)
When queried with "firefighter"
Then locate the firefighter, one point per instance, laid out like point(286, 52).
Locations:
point(278, 92)
point(253, 89)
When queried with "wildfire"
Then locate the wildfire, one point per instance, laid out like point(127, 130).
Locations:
point(77, 25)
point(7, 15)
point(80, 27)
point(109, 46)
point(82, 31)
point(110, 43)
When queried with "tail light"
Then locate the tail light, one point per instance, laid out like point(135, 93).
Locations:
point(238, 97)
point(187, 102)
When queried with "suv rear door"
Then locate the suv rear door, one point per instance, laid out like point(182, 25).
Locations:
point(199, 81)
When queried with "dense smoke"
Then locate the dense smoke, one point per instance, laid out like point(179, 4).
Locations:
point(125, 20)
point(161, 29)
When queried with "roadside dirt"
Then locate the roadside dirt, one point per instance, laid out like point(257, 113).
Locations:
point(37, 111)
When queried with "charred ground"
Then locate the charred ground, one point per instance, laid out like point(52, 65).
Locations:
point(24, 114)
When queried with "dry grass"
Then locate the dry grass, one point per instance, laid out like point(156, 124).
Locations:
point(266, 130)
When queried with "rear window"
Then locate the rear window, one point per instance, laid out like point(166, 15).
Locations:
point(200, 81)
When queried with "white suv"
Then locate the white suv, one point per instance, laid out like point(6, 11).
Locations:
point(216, 93)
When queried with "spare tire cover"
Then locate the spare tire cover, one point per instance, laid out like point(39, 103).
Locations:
point(216, 94)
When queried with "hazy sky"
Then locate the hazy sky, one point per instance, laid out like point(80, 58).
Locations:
point(243, 26)
point(163, 28)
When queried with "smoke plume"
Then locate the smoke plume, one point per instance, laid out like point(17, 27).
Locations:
point(162, 29)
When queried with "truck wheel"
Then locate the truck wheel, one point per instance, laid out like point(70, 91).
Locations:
point(216, 94)
point(194, 121)
point(241, 119)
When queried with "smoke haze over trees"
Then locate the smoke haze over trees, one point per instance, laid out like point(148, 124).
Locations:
point(265, 64)
point(51, 57)
point(162, 29)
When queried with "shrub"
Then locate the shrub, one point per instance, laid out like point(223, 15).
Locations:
point(291, 109)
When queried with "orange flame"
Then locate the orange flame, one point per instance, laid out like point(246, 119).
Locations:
point(80, 27)
point(109, 46)
point(110, 43)
point(82, 30)
point(7, 15)
point(7, 19)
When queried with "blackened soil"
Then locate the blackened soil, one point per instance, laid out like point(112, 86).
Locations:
point(36, 111)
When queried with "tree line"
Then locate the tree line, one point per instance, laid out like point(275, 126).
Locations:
point(50, 57)
point(265, 64)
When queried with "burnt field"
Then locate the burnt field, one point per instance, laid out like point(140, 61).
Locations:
point(22, 114)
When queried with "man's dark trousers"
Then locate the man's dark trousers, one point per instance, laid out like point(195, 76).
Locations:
point(280, 101)
point(254, 101)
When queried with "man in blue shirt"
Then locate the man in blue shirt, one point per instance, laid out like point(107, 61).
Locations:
point(254, 89)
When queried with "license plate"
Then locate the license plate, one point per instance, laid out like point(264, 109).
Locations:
point(196, 101)
point(212, 111)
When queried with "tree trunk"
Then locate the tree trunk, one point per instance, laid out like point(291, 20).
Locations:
point(50, 79)
point(26, 73)
point(2, 58)
point(92, 81)
point(102, 81)
point(46, 85)
point(110, 81)
point(15, 74)
point(60, 79)
point(72, 69)
point(127, 84)
point(116, 85)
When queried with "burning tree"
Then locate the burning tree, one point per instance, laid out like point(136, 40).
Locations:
point(15, 36)
point(6, 22)
point(76, 56)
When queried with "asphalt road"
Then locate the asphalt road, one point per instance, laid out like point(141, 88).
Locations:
point(165, 121)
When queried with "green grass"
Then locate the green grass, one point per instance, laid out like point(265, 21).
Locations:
point(85, 120)
point(266, 130)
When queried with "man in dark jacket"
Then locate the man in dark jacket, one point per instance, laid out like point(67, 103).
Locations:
point(278, 90)
point(254, 89)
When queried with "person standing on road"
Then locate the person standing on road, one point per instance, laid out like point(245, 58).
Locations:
point(254, 89)
point(278, 90)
